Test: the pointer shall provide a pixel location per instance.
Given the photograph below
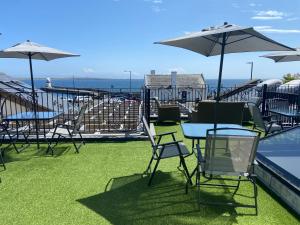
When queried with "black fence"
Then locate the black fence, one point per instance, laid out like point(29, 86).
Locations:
point(120, 110)
point(108, 111)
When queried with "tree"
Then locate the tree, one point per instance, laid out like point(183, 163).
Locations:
point(288, 77)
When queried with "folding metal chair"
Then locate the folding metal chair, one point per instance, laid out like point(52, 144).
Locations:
point(165, 150)
point(11, 133)
point(229, 152)
point(62, 131)
point(265, 124)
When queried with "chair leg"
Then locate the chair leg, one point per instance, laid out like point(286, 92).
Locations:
point(1, 159)
point(82, 141)
point(149, 165)
point(255, 194)
point(198, 185)
point(185, 169)
point(153, 172)
point(238, 185)
point(12, 141)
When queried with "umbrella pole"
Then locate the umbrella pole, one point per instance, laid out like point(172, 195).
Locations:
point(219, 78)
point(34, 102)
point(221, 66)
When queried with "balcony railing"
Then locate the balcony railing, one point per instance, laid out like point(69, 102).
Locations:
point(113, 111)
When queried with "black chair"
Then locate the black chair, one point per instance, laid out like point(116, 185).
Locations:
point(12, 134)
point(65, 130)
point(165, 150)
point(263, 123)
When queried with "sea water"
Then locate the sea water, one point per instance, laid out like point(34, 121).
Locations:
point(118, 83)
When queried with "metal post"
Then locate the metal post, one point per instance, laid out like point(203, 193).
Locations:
point(34, 101)
point(221, 65)
point(147, 103)
point(251, 74)
point(129, 71)
point(264, 97)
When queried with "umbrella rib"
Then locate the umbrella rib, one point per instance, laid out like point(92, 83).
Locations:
point(238, 40)
point(212, 40)
point(269, 40)
point(212, 47)
point(43, 56)
point(280, 58)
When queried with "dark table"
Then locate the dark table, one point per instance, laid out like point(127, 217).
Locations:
point(197, 131)
point(291, 113)
point(29, 116)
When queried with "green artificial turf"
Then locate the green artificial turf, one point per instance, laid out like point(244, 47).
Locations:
point(103, 185)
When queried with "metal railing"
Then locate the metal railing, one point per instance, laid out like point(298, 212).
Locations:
point(120, 111)
point(108, 111)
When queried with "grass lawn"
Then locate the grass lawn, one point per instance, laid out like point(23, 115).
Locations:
point(103, 185)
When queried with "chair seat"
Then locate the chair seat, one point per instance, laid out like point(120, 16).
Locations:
point(274, 127)
point(61, 131)
point(172, 151)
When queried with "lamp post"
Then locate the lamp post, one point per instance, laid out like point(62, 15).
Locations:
point(251, 69)
point(129, 71)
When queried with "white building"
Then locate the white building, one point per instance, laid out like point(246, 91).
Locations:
point(180, 87)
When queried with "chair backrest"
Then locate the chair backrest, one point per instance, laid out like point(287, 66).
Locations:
point(230, 151)
point(157, 102)
point(148, 132)
point(256, 116)
point(78, 121)
point(256, 100)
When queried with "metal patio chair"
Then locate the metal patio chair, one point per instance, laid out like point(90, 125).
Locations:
point(167, 112)
point(229, 152)
point(11, 133)
point(65, 130)
point(165, 150)
point(263, 123)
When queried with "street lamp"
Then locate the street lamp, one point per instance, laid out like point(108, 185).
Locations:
point(251, 69)
point(129, 71)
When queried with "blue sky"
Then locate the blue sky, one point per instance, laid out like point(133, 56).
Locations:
point(116, 35)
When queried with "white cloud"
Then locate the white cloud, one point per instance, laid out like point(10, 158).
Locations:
point(270, 29)
point(88, 70)
point(252, 4)
point(269, 15)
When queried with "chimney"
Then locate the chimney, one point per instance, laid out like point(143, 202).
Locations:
point(152, 72)
point(173, 78)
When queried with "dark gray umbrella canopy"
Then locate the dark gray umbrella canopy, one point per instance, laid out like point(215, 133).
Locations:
point(30, 50)
point(223, 40)
point(285, 56)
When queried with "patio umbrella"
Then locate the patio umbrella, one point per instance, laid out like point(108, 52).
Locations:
point(223, 40)
point(285, 56)
point(30, 50)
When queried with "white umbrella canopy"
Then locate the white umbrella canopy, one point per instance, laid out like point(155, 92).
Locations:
point(31, 50)
point(284, 56)
point(223, 40)
point(37, 51)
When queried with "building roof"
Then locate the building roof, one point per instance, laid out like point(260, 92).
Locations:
point(182, 80)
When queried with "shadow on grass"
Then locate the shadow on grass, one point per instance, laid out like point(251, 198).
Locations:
point(32, 152)
point(128, 200)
